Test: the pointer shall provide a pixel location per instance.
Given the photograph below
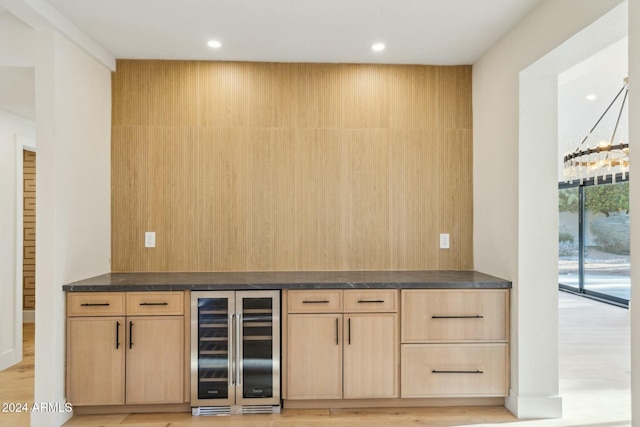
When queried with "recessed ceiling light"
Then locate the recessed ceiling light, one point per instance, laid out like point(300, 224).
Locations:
point(214, 44)
point(377, 47)
point(591, 97)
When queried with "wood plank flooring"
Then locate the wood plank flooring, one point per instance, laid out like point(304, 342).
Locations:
point(594, 384)
point(16, 382)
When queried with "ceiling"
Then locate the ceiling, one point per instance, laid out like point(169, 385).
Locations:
point(435, 32)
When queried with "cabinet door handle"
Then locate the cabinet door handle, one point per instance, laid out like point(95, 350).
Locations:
point(457, 372)
point(337, 331)
point(315, 302)
point(230, 349)
point(349, 329)
point(117, 335)
point(102, 304)
point(154, 303)
point(239, 337)
point(377, 301)
point(130, 334)
point(477, 316)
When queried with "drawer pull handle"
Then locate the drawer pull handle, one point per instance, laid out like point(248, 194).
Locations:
point(316, 302)
point(130, 334)
point(102, 304)
point(361, 301)
point(457, 372)
point(117, 335)
point(154, 303)
point(477, 316)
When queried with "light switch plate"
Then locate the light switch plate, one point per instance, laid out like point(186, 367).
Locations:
point(150, 239)
point(444, 241)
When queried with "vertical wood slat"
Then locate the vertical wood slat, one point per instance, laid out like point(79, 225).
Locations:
point(262, 166)
point(29, 230)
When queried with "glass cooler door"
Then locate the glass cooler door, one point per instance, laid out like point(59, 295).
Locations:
point(258, 348)
point(212, 349)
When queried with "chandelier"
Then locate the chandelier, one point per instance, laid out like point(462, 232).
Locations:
point(597, 159)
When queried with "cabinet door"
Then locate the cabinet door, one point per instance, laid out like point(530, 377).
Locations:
point(371, 355)
point(95, 360)
point(314, 356)
point(155, 363)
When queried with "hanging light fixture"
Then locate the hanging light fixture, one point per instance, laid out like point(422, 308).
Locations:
point(597, 159)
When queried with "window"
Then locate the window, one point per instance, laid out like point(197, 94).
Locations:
point(593, 239)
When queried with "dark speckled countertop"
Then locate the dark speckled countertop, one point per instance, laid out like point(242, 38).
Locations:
point(432, 279)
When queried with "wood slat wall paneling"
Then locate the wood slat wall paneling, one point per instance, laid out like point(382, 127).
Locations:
point(275, 166)
point(29, 230)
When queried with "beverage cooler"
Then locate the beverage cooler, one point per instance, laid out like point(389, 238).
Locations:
point(235, 352)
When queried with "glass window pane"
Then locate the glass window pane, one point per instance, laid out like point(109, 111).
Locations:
point(568, 256)
point(606, 263)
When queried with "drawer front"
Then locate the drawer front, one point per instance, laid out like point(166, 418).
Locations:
point(454, 316)
point(454, 370)
point(320, 301)
point(151, 303)
point(95, 304)
point(379, 301)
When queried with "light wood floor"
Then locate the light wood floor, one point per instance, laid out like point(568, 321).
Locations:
point(16, 383)
point(594, 384)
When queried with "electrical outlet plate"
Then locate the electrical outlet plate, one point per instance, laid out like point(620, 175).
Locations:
point(150, 239)
point(444, 241)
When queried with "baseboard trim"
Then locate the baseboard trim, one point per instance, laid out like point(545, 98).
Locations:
point(9, 358)
point(131, 409)
point(534, 406)
point(392, 403)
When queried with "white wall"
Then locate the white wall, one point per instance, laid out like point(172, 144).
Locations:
point(515, 199)
point(73, 119)
point(19, 45)
point(634, 195)
point(11, 127)
point(73, 130)
point(19, 52)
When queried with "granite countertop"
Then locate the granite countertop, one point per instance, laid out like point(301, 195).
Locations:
point(271, 280)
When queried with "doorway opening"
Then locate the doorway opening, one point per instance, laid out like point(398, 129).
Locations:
point(593, 229)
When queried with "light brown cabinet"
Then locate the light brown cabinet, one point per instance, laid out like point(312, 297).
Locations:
point(454, 370)
point(118, 355)
point(155, 360)
point(461, 315)
point(371, 356)
point(315, 356)
point(454, 343)
point(335, 352)
point(95, 360)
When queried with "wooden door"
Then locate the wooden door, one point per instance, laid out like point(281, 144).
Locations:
point(95, 360)
point(314, 356)
point(155, 359)
point(371, 355)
